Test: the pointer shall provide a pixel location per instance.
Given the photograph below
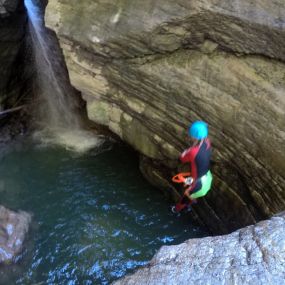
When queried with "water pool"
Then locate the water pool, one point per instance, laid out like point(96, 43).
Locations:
point(95, 218)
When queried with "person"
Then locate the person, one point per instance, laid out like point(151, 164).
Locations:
point(198, 155)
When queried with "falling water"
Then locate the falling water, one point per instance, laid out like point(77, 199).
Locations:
point(58, 107)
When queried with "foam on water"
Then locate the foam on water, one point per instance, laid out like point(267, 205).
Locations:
point(76, 140)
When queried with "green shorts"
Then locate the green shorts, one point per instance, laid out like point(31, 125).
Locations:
point(206, 182)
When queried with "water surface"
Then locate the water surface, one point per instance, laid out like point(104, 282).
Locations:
point(95, 218)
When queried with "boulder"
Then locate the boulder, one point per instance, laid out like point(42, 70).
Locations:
point(13, 229)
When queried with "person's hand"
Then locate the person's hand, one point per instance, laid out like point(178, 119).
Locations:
point(188, 181)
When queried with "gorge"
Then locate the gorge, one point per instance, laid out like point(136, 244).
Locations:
point(146, 69)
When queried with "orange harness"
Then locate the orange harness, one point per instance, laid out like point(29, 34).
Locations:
point(182, 177)
point(187, 180)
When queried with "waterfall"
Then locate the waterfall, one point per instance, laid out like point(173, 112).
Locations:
point(58, 111)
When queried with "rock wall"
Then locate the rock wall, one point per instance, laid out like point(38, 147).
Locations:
point(253, 255)
point(149, 68)
point(13, 21)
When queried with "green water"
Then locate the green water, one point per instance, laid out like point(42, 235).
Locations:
point(95, 218)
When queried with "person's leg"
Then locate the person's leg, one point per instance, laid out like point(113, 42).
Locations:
point(200, 189)
point(206, 186)
point(186, 200)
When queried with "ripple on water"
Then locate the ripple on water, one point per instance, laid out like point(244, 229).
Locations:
point(95, 217)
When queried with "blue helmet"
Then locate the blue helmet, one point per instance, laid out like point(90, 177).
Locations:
point(198, 130)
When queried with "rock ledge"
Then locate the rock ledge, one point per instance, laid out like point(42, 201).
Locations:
point(252, 255)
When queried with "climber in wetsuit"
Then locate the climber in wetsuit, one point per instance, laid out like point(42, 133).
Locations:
point(198, 155)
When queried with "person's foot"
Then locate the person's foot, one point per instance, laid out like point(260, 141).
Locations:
point(187, 209)
point(174, 211)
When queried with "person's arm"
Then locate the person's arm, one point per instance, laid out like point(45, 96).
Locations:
point(186, 155)
point(189, 156)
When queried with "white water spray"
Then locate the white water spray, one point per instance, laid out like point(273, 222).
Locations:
point(60, 122)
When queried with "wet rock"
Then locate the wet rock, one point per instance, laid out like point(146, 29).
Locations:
point(252, 255)
point(13, 229)
point(148, 68)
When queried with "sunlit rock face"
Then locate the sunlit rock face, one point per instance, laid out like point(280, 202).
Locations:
point(149, 68)
point(13, 229)
point(252, 255)
point(12, 31)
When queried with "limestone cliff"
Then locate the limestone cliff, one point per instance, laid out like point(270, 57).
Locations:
point(253, 255)
point(149, 68)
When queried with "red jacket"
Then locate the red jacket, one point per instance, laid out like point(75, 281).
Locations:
point(199, 158)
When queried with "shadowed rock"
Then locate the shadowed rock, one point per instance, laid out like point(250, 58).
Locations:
point(8, 6)
point(13, 229)
point(13, 74)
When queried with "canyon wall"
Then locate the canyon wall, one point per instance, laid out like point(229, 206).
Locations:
point(147, 69)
